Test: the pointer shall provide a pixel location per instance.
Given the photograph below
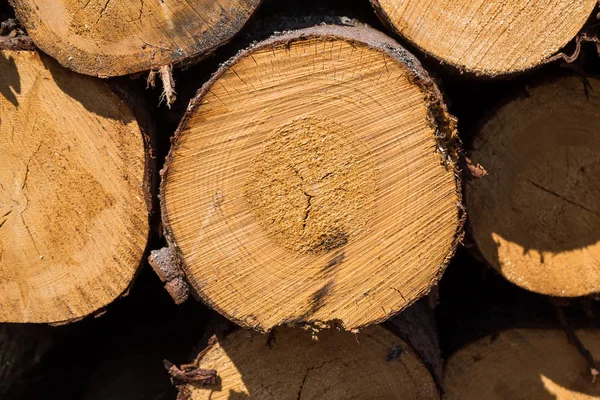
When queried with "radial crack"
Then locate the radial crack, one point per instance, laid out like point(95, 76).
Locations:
point(296, 172)
point(6, 214)
point(302, 384)
point(564, 198)
point(27, 166)
point(307, 212)
point(308, 372)
point(102, 12)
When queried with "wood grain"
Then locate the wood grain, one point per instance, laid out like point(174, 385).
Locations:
point(487, 37)
point(109, 38)
point(306, 184)
point(73, 192)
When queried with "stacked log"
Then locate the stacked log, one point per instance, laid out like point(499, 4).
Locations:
point(104, 38)
point(535, 216)
point(75, 191)
point(284, 204)
point(524, 364)
point(487, 38)
point(384, 361)
point(311, 195)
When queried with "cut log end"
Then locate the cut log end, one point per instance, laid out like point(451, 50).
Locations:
point(487, 37)
point(109, 38)
point(73, 212)
point(295, 366)
point(523, 364)
point(290, 206)
point(535, 215)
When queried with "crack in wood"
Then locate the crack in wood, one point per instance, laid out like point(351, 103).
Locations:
point(564, 198)
point(102, 11)
point(27, 166)
point(6, 214)
point(307, 212)
point(308, 372)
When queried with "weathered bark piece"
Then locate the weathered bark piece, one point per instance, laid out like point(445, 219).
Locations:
point(109, 38)
point(487, 37)
point(524, 364)
point(535, 216)
point(289, 364)
point(74, 191)
point(312, 182)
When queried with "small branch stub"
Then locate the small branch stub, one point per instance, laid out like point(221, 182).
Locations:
point(190, 374)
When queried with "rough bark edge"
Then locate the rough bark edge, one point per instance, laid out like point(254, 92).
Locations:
point(472, 172)
point(150, 179)
point(224, 29)
point(415, 327)
point(461, 69)
point(18, 43)
point(443, 123)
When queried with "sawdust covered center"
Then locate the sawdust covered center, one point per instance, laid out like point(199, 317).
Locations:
point(312, 186)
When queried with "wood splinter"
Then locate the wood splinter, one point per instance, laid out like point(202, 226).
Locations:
point(166, 77)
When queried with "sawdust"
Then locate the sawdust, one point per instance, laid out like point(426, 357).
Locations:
point(312, 187)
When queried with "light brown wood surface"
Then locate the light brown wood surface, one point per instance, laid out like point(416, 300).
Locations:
point(73, 214)
point(487, 37)
point(306, 184)
point(523, 364)
point(293, 366)
point(536, 215)
point(109, 38)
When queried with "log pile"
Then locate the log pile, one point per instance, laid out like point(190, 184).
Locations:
point(307, 230)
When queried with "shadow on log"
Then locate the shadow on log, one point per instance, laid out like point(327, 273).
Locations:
point(535, 215)
point(400, 357)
